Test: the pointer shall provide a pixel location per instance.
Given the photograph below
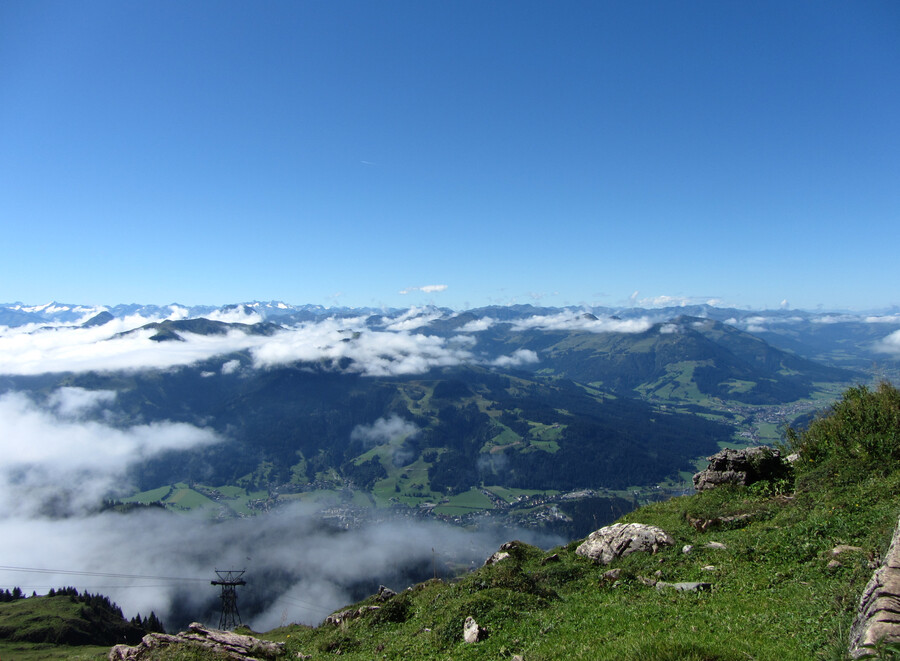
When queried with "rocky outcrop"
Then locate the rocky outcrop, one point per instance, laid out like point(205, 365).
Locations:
point(878, 617)
point(621, 539)
point(223, 643)
point(349, 614)
point(741, 467)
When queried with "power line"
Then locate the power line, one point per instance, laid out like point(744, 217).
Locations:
point(36, 570)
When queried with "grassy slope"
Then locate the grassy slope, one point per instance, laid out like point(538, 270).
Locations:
point(50, 619)
point(773, 596)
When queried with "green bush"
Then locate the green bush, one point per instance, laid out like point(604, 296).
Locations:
point(858, 434)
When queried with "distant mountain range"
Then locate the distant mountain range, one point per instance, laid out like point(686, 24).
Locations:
point(414, 406)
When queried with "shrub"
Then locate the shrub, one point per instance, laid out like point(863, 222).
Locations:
point(858, 434)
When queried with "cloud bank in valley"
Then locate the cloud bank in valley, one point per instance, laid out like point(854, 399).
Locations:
point(346, 344)
point(56, 461)
point(65, 452)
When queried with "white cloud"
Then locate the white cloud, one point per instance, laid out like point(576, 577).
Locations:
point(239, 314)
point(414, 318)
point(667, 329)
point(477, 325)
point(520, 357)
point(569, 320)
point(883, 319)
point(889, 344)
point(428, 289)
point(345, 344)
point(384, 430)
point(231, 366)
point(72, 402)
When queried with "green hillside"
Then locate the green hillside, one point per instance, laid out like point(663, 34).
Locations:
point(64, 625)
point(774, 595)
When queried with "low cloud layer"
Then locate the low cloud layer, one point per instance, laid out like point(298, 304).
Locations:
point(62, 456)
point(57, 462)
point(346, 344)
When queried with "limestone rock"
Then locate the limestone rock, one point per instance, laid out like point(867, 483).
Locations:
point(741, 467)
point(550, 558)
point(621, 539)
point(224, 643)
point(845, 548)
point(472, 633)
point(496, 557)
point(878, 616)
point(715, 545)
point(612, 575)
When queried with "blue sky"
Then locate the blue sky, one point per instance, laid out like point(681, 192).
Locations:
point(339, 153)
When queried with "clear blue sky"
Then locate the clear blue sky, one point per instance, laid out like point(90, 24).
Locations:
point(545, 152)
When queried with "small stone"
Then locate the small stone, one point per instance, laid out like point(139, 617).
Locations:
point(834, 564)
point(649, 582)
point(550, 558)
point(715, 545)
point(708, 568)
point(687, 548)
point(611, 575)
point(689, 586)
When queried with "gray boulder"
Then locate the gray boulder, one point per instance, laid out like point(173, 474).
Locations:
point(472, 633)
point(621, 539)
point(741, 467)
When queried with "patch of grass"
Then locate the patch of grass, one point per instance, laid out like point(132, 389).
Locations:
point(45, 652)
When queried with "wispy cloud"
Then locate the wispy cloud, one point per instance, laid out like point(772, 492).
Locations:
point(477, 325)
point(384, 430)
point(569, 320)
point(428, 289)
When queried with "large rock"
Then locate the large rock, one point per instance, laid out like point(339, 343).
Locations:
point(472, 633)
point(878, 616)
point(225, 644)
point(741, 467)
point(621, 539)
